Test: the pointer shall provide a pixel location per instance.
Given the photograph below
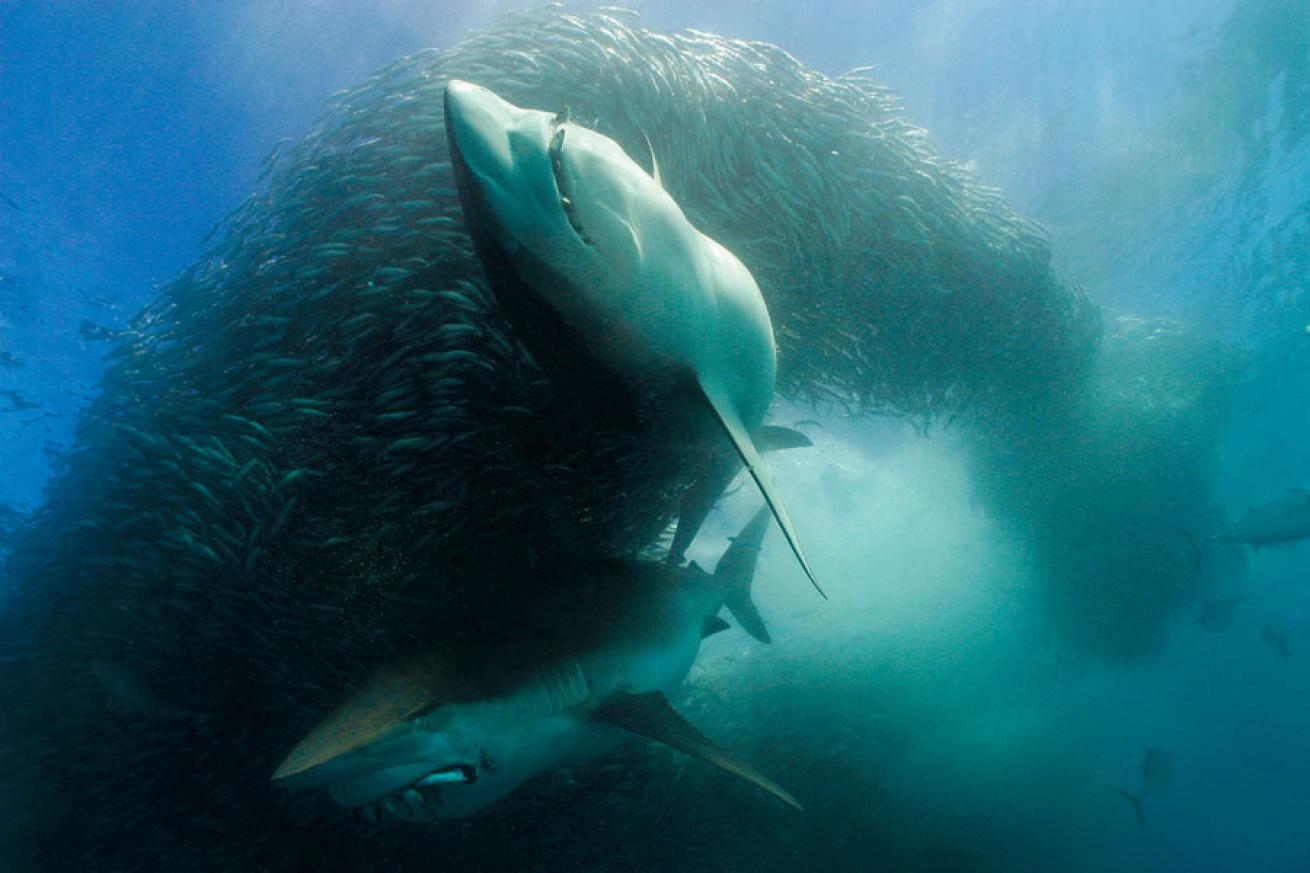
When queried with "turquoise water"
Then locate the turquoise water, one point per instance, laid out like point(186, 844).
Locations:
point(244, 470)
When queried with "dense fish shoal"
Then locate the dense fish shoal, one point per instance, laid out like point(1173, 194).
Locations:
point(322, 444)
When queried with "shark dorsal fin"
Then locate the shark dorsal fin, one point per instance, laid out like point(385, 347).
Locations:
point(388, 698)
point(650, 715)
point(713, 625)
point(750, 458)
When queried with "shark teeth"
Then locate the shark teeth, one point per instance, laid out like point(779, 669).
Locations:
point(419, 801)
point(410, 804)
point(561, 182)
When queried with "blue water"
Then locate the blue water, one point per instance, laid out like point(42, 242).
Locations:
point(1167, 152)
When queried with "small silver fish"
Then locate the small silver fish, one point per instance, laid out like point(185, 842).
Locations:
point(126, 692)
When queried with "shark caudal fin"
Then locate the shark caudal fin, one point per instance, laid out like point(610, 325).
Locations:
point(750, 459)
point(650, 715)
point(1136, 801)
point(736, 571)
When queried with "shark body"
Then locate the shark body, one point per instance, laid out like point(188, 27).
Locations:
point(1284, 519)
point(452, 732)
point(638, 314)
point(1156, 770)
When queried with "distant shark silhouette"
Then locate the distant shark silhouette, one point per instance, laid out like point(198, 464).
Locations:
point(1285, 519)
point(1274, 636)
point(1156, 769)
point(1217, 613)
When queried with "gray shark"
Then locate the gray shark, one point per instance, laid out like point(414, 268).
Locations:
point(453, 731)
point(1274, 636)
point(1284, 519)
point(1217, 613)
point(1156, 769)
point(609, 285)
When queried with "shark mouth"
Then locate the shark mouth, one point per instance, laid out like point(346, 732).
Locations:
point(420, 801)
point(566, 200)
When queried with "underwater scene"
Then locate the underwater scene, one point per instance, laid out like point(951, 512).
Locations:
point(481, 435)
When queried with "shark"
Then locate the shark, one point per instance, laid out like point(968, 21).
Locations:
point(609, 286)
point(1156, 769)
point(1285, 519)
point(451, 731)
point(1274, 636)
point(1217, 613)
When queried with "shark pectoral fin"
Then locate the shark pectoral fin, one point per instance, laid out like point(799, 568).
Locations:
point(772, 438)
point(750, 458)
point(713, 625)
point(650, 715)
point(387, 699)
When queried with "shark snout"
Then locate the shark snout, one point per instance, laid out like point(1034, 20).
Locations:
point(477, 122)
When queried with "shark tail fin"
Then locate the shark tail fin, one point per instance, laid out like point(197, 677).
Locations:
point(650, 715)
point(736, 571)
point(1136, 801)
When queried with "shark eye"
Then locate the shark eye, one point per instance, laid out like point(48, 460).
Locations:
point(562, 185)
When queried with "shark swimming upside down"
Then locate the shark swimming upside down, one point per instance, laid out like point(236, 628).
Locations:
point(618, 297)
point(451, 732)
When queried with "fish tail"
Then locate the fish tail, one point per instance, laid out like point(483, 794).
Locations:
point(1136, 801)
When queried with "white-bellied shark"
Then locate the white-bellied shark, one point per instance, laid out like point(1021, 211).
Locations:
point(1284, 519)
point(448, 734)
point(608, 284)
